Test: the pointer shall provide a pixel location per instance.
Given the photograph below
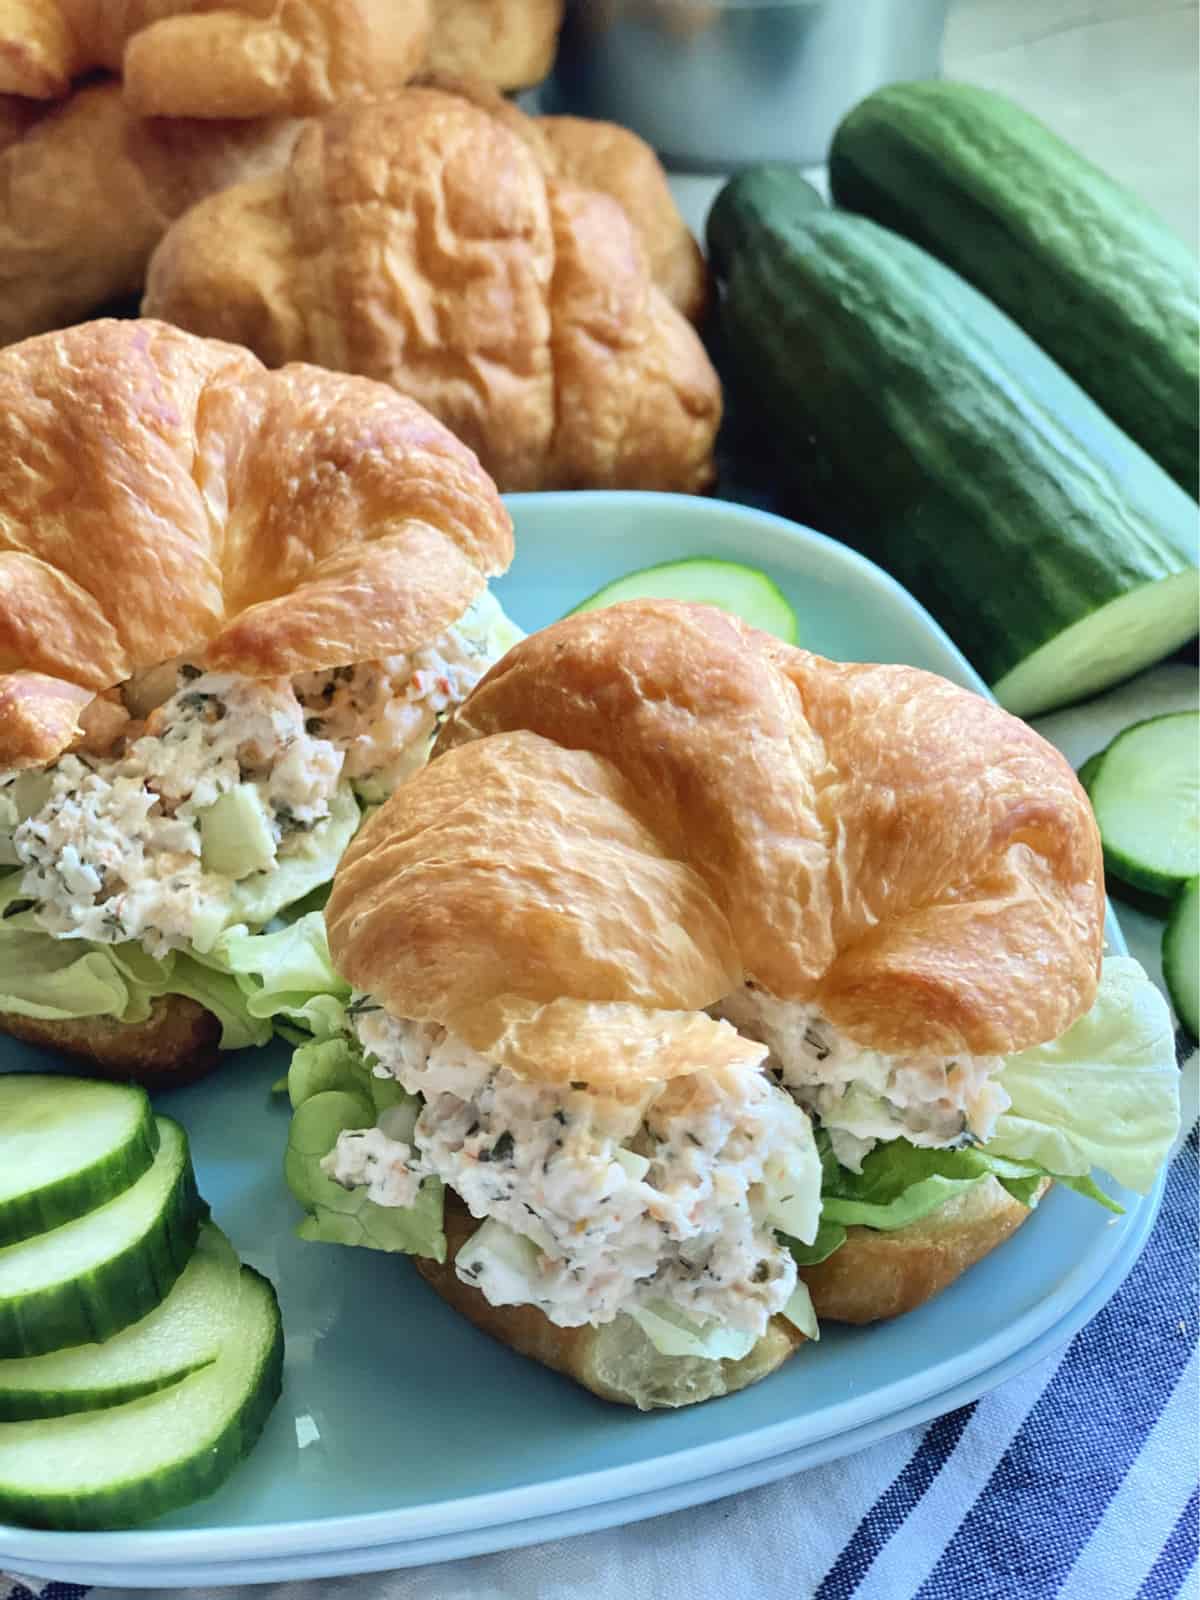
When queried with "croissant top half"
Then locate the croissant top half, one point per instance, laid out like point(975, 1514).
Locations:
point(163, 494)
point(641, 808)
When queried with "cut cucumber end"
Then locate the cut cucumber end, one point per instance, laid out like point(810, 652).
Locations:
point(1181, 957)
point(67, 1145)
point(1145, 791)
point(126, 1465)
point(743, 591)
point(1112, 643)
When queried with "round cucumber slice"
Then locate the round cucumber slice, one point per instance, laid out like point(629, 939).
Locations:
point(1145, 792)
point(85, 1281)
point(126, 1465)
point(746, 592)
point(180, 1336)
point(67, 1145)
point(1089, 769)
point(1181, 957)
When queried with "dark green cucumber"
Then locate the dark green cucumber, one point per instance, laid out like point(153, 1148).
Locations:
point(774, 190)
point(131, 1463)
point(88, 1279)
point(921, 424)
point(1094, 275)
point(67, 1145)
point(1181, 956)
point(178, 1337)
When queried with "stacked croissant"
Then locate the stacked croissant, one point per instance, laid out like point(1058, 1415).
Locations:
point(342, 182)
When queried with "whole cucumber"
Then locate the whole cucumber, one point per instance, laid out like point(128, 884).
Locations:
point(1085, 267)
point(926, 428)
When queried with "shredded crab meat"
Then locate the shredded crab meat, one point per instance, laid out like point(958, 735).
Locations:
point(860, 1095)
point(686, 1223)
point(111, 845)
point(383, 715)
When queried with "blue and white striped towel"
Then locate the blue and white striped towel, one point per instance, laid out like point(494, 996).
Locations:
point(1075, 1481)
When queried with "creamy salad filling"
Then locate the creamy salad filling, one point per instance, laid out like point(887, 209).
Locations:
point(229, 777)
point(861, 1096)
point(670, 1201)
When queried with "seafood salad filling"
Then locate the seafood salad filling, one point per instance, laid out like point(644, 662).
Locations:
point(225, 781)
point(861, 1096)
point(667, 1204)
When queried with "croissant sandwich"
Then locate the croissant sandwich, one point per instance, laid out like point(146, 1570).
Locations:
point(704, 988)
point(234, 606)
point(423, 240)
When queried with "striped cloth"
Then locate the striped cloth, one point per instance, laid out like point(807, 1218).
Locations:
point(1075, 1481)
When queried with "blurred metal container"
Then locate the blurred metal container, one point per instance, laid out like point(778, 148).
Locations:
point(714, 86)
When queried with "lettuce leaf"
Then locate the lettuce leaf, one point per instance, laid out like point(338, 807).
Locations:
point(899, 1184)
point(286, 976)
point(61, 978)
point(254, 983)
point(332, 1088)
point(1104, 1095)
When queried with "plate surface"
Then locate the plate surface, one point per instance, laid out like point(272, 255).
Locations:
point(402, 1433)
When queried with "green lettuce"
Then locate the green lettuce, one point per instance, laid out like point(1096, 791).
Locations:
point(56, 979)
point(900, 1184)
point(253, 982)
point(332, 1088)
point(286, 977)
point(1105, 1095)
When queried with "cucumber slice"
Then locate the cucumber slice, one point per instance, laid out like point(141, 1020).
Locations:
point(1181, 957)
point(1089, 769)
point(67, 1145)
point(123, 1466)
point(1146, 796)
point(85, 1281)
point(235, 834)
point(746, 592)
point(178, 1337)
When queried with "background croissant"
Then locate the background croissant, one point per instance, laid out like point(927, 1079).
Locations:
point(640, 808)
point(87, 190)
point(162, 494)
point(416, 239)
point(253, 58)
point(197, 58)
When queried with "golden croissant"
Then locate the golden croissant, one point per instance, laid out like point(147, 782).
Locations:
point(669, 889)
point(234, 604)
point(214, 58)
point(419, 241)
point(87, 190)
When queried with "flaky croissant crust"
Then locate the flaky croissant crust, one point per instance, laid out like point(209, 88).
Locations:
point(419, 240)
point(641, 808)
point(214, 58)
point(162, 494)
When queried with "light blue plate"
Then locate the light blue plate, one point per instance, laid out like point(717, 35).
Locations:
point(403, 1434)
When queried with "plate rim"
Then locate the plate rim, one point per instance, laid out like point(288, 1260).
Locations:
point(143, 1548)
point(381, 1557)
